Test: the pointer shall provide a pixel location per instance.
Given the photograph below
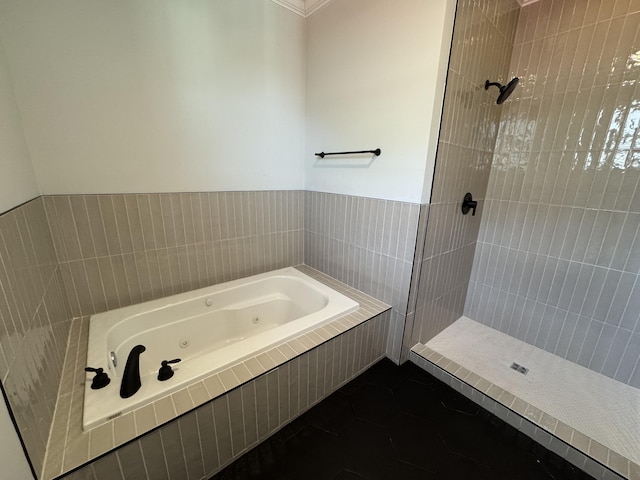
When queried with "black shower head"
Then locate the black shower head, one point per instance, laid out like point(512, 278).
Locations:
point(505, 90)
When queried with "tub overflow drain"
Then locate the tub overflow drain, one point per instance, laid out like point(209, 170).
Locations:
point(184, 343)
point(255, 319)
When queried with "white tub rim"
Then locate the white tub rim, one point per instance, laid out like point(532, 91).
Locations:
point(138, 309)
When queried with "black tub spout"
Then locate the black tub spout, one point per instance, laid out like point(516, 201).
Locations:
point(131, 377)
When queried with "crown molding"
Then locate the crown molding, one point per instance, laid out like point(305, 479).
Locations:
point(304, 8)
point(296, 6)
point(312, 6)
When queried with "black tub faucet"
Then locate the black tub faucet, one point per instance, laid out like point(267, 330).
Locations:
point(131, 376)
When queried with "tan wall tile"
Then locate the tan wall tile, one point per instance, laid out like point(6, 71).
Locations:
point(556, 235)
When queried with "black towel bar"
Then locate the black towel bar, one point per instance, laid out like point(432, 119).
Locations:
point(376, 152)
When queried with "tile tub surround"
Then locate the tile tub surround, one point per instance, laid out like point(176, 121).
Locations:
point(559, 249)
point(116, 250)
point(34, 324)
point(368, 244)
point(121, 249)
point(559, 402)
point(221, 416)
point(481, 47)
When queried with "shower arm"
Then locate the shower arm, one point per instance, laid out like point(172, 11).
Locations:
point(488, 84)
point(505, 90)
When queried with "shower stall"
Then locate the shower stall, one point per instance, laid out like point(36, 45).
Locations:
point(552, 257)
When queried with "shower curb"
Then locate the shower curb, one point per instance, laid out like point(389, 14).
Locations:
point(602, 464)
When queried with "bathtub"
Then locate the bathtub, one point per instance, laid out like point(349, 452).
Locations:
point(208, 329)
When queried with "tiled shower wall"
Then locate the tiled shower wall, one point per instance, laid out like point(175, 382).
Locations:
point(34, 323)
point(117, 250)
point(366, 243)
point(481, 49)
point(559, 251)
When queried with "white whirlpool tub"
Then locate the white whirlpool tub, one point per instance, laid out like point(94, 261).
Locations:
point(208, 329)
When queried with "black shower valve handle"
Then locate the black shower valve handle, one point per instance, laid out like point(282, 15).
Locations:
point(468, 203)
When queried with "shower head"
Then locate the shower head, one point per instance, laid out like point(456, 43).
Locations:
point(505, 90)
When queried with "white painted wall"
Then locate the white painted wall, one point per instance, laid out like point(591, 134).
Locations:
point(17, 179)
point(17, 185)
point(158, 95)
point(375, 78)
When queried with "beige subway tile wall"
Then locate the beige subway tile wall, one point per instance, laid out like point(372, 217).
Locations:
point(117, 250)
point(34, 323)
point(366, 243)
point(559, 249)
point(481, 48)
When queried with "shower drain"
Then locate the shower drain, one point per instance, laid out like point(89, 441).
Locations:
point(519, 368)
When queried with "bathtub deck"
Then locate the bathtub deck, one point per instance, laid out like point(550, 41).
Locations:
point(590, 412)
point(69, 447)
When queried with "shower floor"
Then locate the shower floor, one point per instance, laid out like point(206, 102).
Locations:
point(399, 423)
point(589, 410)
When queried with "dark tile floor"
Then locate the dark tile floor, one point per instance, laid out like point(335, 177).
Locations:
point(399, 423)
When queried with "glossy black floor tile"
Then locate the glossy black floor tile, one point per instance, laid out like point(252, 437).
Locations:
point(399, 423)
